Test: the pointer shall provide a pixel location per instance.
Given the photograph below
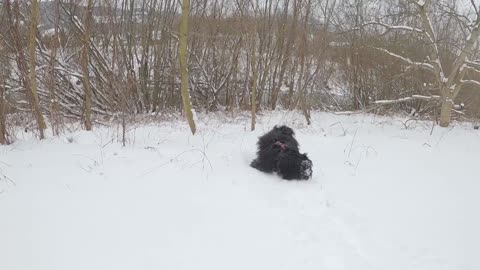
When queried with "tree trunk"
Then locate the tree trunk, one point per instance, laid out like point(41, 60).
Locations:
point(446, 112)
point(253, 93)
point(55, 118)
point(286, 54)
point(85, 60)
point(33, 74)
point(156, 85)
point(3, 115)
point(182, 51)
point(302, 87)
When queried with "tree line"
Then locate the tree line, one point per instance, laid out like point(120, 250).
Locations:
point(98, 59)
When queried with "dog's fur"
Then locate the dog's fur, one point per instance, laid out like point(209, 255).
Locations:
point(278, 151)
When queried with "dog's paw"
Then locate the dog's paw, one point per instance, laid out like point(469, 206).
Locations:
point(306, 169)
point(254, 164)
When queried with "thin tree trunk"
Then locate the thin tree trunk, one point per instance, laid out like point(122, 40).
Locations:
point(33, 74)
point(302, 87)
point(182, 51)
point(286, 54)
point(3, 115)
point(253, 93)
point(85, 61)
point(156, 83)
point(55, 118)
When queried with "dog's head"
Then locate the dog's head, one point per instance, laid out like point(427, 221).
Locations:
point(284, 130)
point(284, 136)
point(279, 137)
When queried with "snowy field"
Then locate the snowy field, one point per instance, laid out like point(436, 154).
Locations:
point(382, 197)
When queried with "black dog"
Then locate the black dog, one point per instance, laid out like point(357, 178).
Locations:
point(278, 152)
point(270, 145)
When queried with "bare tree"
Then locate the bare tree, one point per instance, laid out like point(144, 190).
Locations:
point(448, 76)
point(182, 52)
point(3, 103)
point(55, 117)
point(254, 66)
point(254, 79)
point(28, 76)
point(33, 74)
point(85, 62)
point(3, 112)
point(302, 89)
point(286, 41)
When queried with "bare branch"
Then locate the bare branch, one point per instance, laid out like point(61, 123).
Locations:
point(474, 6)
point(466, 51)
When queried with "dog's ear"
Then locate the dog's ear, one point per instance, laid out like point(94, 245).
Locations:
point(288, 131)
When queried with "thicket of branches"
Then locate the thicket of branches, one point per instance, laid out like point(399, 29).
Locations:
point(107, 58)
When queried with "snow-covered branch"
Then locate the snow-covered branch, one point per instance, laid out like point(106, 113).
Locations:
point(413, 97)
point(472, 69)
point(419, 3)
point(472, 65)
point(407, 60)
point(470, 82)
point(466, 51)
point(396, 27)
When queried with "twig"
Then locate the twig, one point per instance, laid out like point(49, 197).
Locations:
point(339, 123)
point(351, 145)
point(174, 158)
point(441, 137)
point(6, 164)
point(359, 111)
point(7, 178)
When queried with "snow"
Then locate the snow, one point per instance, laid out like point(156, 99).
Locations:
point(49, 32)
point(284, 88)
point(194, 114)
point(382, 197)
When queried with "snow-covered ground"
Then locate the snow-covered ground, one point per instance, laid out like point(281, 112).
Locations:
point(382, 197)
